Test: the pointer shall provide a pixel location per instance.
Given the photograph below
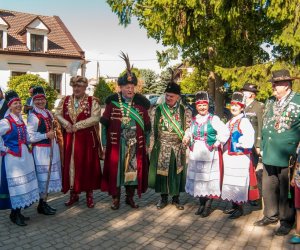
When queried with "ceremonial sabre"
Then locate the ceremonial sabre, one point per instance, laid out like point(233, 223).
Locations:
point(50, 163)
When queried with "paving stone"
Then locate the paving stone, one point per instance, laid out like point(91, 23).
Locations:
point(146, 228)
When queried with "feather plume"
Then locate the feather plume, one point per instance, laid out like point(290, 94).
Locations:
point(126, 59)
point(175, 73)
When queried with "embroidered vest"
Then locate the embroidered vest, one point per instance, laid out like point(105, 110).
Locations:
point(15, 137)
point(205, 132)
point(44, 126)
point(235, 134)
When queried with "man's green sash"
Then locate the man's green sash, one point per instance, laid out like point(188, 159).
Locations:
point(133, 113)
point(171, 120)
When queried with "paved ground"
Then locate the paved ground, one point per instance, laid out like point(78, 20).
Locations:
point(145, 228)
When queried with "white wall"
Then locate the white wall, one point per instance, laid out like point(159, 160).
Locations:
point(37, 65)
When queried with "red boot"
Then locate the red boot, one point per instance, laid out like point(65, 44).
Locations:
point(116, 200)
point(89, 199)
point(74, 197)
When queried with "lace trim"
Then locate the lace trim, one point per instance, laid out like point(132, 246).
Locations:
point(21, 180)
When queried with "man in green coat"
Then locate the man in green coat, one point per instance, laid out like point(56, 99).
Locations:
point(167, 172)
point(280, 138)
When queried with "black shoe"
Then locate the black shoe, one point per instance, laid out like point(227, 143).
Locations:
point(232, 209)
point(200, 210)
point(253, 203)
point(229, 211)
point(176, 202)
point(206, 212)
point(25, 218)
point(49, 207)
point(44, 209)
point(283, 230)
point(162, 203)
point(17, 218)
point(236, 214)
point(264, 222)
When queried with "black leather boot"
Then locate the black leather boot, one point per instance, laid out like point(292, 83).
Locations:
point(207, 208)
point(176, 202)
point(129, 196)
point(44, 208)
point(17, 218)
point(202, 201)
point(232, 209)
point(163, 202)
point(238, 212)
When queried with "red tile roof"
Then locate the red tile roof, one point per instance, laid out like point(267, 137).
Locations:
point(60, 41)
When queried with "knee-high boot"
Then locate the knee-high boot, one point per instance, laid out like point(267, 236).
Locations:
point(207, 208)
point(116, 200)
point(202, 201)
point(129, 196)
point(90, 199)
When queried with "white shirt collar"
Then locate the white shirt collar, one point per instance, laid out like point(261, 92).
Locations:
point(17, 118)
point(234, 119)
point(201, 118)
point(281, 101)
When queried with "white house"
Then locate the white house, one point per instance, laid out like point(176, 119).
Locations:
point(40, 45)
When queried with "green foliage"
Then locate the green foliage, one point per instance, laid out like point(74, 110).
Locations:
point(193, 82)
point(22, 83)
point(149, 78)
point(102, 91)
point(224, 36)
point(165, 56)
point(259, 74)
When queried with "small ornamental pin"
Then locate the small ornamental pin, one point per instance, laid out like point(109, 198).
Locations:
point(129, 78)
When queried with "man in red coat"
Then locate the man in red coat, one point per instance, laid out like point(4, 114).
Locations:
point(125, 126)
point(79, 116)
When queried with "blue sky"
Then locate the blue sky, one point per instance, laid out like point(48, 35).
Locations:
point(96, 29)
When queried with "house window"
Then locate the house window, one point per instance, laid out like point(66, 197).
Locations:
point(37, 43)
point(1, 39)
point(55, 81)
point(17, 73)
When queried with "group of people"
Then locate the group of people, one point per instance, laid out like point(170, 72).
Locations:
point(221, 158)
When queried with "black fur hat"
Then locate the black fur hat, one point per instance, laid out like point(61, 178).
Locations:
point(201, 96)
point(172, 86)
point(11, 96)
point(38, 92)
point(129, 77)
point(238, 97)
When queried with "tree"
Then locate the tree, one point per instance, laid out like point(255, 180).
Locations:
point(193, 82)
point(102, 91)
point(149, 78)
point(22, 83)
point(218, 33)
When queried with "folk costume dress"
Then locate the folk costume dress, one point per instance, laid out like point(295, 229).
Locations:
point(4, 198)
point(39, 122)
point(237, 160)
point(125, 130)
point(81, 166)
point(205, 167)
point(18, 186)
point(168, 158)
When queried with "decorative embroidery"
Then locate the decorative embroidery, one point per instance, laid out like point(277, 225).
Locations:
point(18, 181)
point(24, 200)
